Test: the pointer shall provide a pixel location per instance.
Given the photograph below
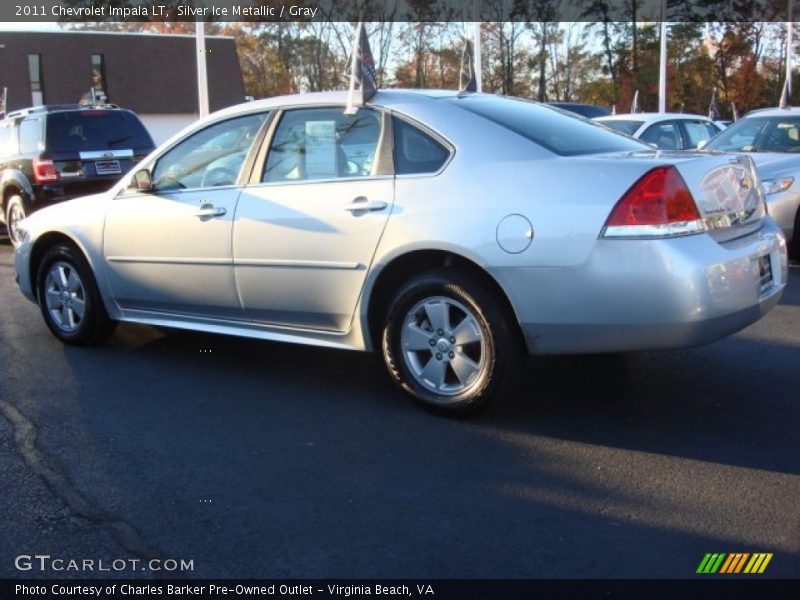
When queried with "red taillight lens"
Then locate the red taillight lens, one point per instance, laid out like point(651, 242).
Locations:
point(658, 204)
point(44, 171)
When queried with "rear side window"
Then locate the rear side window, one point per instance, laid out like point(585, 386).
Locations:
point(551, 128)
point(87, 130)
point(30, 136)
point(665, 136)
point(415, 151)
point(323, 143)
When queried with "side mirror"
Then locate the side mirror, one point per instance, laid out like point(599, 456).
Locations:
point(141, 181)
point(702, 144)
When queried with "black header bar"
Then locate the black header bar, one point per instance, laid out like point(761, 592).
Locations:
point(77, 11)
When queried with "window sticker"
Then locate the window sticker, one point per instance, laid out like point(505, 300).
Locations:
point(321, 149)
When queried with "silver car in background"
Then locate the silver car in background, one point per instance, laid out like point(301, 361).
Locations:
point(772, 137)
point(453, 233)
point(665, 131)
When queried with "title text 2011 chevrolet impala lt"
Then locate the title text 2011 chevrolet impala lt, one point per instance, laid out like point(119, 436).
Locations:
point(455, 233)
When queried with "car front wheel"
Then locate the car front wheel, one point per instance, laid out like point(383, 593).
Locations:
point(68, 298)
point(448, 342)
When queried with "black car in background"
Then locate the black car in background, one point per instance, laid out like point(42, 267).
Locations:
point(54, 153)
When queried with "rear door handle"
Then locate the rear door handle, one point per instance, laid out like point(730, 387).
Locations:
point(363, 204)
point(208, 211)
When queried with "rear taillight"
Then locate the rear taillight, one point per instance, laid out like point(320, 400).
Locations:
point(659, 204)
point(44, 171)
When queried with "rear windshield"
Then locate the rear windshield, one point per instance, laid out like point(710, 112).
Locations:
point(95, 130)
point(627, 127)
point(551, 128)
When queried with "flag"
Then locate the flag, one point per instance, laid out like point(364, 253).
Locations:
point(786, 95)
point(635, 104)
point(363, 80)
point(713, 110)
point(734, 111)
point(467, 82)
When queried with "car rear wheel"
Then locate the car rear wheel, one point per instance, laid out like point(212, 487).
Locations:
point(448, 342)
point(69, 299)
point(15, 212)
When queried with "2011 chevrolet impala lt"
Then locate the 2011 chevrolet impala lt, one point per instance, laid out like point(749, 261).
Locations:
point(455, 233)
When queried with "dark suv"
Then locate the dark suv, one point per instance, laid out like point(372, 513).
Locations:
point(54, 153)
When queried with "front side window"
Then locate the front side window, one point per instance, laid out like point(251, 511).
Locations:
point(211, 157)
point(665, 136)
point(30, 136)
point(323, 143)
point(416, 152)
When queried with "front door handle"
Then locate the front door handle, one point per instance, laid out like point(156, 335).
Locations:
point(209, 211)
point(363, 204)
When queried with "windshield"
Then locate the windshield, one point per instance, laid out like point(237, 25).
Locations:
point(760, 134)
point(84, 130)
point(562, 133)
point(626, 127)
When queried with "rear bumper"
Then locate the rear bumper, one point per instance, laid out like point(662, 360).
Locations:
point(648, 294)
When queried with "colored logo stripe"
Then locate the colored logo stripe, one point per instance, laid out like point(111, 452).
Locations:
point(711, 563)
point(758, 563)
point(734, 563)
point(723, 563)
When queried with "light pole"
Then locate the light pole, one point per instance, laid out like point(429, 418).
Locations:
point(789, 52)
point(662, 67)
point(202, 74)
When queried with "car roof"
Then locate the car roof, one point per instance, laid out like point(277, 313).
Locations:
point(382, 97)
point(46, 109)
point(774, 112)
point(652, 117)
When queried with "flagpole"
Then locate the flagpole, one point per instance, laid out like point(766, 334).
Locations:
point(353, 68)
point(662, 70)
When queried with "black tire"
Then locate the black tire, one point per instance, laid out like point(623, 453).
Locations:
point(93, 325)
point(794, 246)
point(497, 354)
point(14, 212)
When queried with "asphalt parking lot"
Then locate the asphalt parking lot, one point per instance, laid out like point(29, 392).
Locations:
point(257, 459)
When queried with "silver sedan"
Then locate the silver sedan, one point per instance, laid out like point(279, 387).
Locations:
point(772, 137)
point(453, 233)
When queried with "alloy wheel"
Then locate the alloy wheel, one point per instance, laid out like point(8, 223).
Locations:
point(65, 296)
point(443, 345)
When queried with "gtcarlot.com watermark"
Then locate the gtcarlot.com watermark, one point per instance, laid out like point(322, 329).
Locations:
point(44, 563)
